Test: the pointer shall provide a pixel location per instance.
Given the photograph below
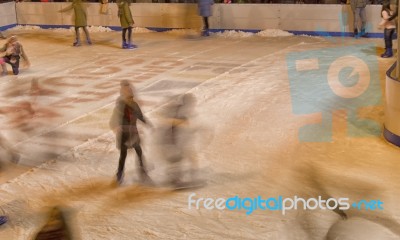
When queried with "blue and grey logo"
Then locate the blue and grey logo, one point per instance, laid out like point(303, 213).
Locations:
point(342, 78)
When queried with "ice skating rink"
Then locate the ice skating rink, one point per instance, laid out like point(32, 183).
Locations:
point(56, 114)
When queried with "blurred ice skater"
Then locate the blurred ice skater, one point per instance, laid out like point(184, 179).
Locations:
point(123, 123)
point(12, 155)
point(12, 52)
point(176, 138)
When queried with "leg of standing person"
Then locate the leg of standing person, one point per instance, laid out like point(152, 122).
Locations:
point(77, 37)
point(206, 27)
point(122, 157)
point(130, 43)
point(87, 35)
point(142, 169)
point(363, 16)
point(356, 14)
point(388, 43)
point(124, 42)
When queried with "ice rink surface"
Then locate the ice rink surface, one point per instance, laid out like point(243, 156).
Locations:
point(248, 144)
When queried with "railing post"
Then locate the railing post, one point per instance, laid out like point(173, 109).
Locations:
point(398, 42)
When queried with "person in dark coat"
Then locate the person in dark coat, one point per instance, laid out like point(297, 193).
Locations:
point(80, 21)
point(13, 51)
point(205, 12)
point(126, 20)
point(123, 123)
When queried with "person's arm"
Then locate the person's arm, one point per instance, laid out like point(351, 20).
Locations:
point(139, 113)
point(115, 120)
point(395, 12)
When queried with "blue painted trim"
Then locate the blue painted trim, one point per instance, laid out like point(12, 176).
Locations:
point(3, 28)
point(334, 34)
point(158, 29)
point(391, 137)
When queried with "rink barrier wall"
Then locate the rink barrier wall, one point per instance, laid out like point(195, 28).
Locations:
point(391, 130)
point(313, 19)
point(8, 15)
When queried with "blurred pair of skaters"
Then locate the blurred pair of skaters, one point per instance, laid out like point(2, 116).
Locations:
point(172, 136)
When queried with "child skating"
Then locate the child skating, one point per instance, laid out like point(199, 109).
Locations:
point(80, 21)
point(12, 53)
point(389, 28)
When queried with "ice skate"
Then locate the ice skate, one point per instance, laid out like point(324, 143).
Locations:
point(3, 219)
point(132, 46)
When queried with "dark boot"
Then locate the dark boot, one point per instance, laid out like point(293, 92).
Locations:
point(356, 33)
point(124, 45)
point(363, 33)
point(132, 46)
point(205, 33)
point(388, 53)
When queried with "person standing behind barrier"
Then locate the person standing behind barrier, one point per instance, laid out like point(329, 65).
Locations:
point(359, 14)
point(123, 123)
point(205, 12)
point(389, 26)
point(126, 20)
point(80, 21)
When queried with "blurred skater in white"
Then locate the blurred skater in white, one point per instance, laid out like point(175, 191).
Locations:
point(10, 153)
point(176, 137)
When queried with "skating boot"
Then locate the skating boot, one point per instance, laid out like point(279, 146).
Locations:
point(132, 46)
point(124, 45)
point(356, 35)
point(388, 53)
point(205, 33)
